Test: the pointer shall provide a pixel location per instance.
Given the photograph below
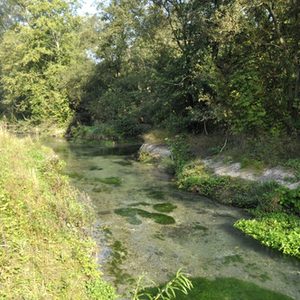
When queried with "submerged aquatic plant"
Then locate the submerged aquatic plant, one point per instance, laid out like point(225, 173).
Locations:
point(116, 181)
point(164, 207)
point(132, 214)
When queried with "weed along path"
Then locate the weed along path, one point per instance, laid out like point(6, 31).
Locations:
point(147, 227)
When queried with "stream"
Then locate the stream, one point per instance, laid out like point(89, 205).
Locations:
point(147, 227)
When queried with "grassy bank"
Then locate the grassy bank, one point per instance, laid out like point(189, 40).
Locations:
point(275, 209)
point(45, 252)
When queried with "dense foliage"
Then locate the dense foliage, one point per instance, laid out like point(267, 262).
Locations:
point(186, 65)
point(38, 50)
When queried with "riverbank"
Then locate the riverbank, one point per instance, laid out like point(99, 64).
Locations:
point(46, 249)
point(273, 200)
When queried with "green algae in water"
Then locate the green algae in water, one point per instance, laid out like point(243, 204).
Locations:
point(119, 251)
point(162, 219)
point(118, 256)
point(101, 189)
point(132, 216)
point(95, 168)
point(75, 175)
point(107, 231)
point(116, 181)
point(154, 193)
point(198, 226)
point(262, 277)
point(225, 288)
point(123, 163)
point(233, 259)
point(164, 207)
point(159, 236)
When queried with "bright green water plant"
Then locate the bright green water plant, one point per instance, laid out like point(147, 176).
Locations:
point(276, 230)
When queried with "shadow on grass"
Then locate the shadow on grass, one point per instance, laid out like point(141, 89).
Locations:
point(225, 288)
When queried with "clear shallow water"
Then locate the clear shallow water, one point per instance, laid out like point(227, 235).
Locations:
point(133, 241)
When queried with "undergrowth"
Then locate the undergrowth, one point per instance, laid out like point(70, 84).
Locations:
point(46, 251)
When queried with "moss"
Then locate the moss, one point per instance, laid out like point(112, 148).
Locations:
point(164, 207)
point(226, 288)
point(132, 214)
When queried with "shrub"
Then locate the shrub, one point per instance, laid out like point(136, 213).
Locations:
point(290, 199)
point(233, 191)
point(180, 152)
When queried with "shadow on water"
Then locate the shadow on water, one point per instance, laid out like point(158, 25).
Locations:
point(120, 150)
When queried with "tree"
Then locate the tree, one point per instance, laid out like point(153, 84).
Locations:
point(35, 55)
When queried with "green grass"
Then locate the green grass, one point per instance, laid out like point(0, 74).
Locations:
point(227, 289)
point(46, 251)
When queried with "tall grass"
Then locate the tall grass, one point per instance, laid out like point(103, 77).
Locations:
point(45, 248)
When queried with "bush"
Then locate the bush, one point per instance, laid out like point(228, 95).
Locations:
point(180, 152)
point(290, 200)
